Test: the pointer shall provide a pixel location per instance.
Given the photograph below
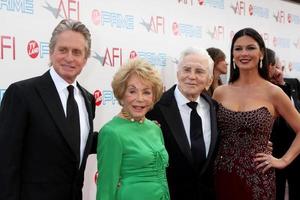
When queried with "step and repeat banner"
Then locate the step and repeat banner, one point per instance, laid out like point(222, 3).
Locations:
point(156, 30)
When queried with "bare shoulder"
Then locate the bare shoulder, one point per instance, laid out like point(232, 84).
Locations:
point(220, 91)
point(273, 90)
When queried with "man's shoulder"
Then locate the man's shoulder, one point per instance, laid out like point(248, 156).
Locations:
point(27, 83)
point(165, 100)
point(292, 81)
point(167, 95)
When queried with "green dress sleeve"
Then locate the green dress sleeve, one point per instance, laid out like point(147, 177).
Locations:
point(109, 156)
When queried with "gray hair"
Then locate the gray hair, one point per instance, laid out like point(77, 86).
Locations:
point(201, 52)
point(71, 25)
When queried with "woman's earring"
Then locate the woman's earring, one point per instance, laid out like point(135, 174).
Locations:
point(234, 66)
point(261, 63)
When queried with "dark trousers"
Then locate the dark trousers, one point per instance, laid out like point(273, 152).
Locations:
point(291, 174)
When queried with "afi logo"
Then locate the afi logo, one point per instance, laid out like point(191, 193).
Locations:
point(111, 57)
point(7, 46)
point(217, 33)
point(156, 24)
point(239, 8)
point(35, 48)
point(279, 16)
point(67, 9)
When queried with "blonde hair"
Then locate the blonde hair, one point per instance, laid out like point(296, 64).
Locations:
point(143, 70)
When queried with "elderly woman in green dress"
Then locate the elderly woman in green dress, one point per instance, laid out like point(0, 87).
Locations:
point(131, 155)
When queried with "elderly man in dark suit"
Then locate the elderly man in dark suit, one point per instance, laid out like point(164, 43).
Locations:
point(46, 124)
point(190, 152)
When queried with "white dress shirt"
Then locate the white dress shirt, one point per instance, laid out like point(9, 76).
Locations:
point(61, 87)
point(203, 109)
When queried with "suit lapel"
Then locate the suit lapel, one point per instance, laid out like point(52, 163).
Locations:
point(214, 133)
point(294, 87)
point(172, 116)
point(88, 104)
point(91, 114)
point(50, 96)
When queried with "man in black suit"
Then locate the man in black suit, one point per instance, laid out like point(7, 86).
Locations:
point(43, 153)
point(187, 179)
point(282, 134)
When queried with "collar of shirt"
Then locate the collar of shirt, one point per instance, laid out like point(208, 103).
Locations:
point(182, 100)
point(60, 84)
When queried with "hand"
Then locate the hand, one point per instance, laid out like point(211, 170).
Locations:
point(266, 161)
point(269, 147)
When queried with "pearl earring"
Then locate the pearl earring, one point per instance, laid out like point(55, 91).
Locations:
point(234, 66)
point(261, 63)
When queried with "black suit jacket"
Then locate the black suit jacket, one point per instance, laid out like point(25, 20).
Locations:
point(184, 180)
point(37, 159)
point(294, 86)
point(282, 134)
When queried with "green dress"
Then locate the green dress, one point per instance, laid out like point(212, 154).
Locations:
point(132, 161)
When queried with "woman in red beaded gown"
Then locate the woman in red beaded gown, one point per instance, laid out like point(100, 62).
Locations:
point(248, 106)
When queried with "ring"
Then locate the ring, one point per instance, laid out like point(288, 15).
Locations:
point(266, 162)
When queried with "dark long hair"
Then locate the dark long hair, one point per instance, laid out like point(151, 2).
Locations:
point(263, 72)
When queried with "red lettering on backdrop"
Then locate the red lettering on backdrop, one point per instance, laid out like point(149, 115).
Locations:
point(72, 7)
point(4, 45)
point(115, 55)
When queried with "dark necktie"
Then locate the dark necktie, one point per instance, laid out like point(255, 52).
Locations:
point(73, 119)
point(196, 135)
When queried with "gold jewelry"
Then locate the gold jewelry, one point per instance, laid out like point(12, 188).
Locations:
point(127, 116)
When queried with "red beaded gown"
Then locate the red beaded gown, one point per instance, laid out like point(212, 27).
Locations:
point(242, 135)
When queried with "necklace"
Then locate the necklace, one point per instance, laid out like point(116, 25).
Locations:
point(127, 116)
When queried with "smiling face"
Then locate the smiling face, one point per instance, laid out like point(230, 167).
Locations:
point(138, 97)
point(246, 53)
point(68, 56)
point(193, 76)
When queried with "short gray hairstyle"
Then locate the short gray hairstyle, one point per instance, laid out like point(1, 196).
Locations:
point(201, 52)
point(71, 25)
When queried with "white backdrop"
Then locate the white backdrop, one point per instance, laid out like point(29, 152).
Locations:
point(156, 30)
